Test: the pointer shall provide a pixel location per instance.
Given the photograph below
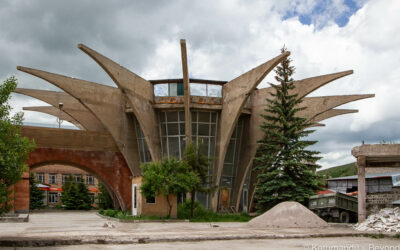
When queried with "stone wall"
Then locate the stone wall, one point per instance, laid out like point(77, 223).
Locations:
point(377, 201)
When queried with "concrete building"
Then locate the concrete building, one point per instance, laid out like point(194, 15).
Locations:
point(382, 189)
point(54, 176)
point(373, 159)
point(144, 120)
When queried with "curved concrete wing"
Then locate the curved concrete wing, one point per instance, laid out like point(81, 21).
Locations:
point(55, 112)
point(318, 105)
point(70, 106)
point(308, 85)
point(235, 95)
point(140, 95)
point(107, 104)
point(331, 113)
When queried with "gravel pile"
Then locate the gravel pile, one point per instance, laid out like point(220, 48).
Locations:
point(289, 214)
point(386, 220)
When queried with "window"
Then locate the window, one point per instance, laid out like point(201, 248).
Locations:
point(53, 197)
point(143, 148)
point(53, 178)
point(64, 178)
point(89, 179)
point(78, 178)
point(151, 199)
point(40, 177)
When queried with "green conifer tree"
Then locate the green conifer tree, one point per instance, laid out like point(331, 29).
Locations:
point(104, 198)
point(84, 201)
point(285, 168)
point(36, 195)
point(69, 196)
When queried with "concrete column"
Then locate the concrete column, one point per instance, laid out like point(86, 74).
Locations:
point(362, 207)
point(186, 89)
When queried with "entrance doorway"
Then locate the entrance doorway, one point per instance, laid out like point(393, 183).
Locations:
point(134, 199)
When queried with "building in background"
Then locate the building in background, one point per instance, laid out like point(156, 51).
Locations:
point(52, 177)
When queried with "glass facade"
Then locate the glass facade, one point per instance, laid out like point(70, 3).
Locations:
point(231, 158)
point(142, 145)
point(196, 89)
point(204, 131)
point(204, 127)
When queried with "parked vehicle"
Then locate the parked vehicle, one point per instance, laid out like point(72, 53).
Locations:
point(335, 207)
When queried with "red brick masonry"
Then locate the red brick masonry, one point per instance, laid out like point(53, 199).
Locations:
point(109, 167)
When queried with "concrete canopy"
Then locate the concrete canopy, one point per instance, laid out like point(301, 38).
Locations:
point(107, 104)
point(71, 106)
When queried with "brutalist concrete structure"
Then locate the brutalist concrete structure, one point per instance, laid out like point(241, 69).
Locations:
point(376, 158)
point(151, 119)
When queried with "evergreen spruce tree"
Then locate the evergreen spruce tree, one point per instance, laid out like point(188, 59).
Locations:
point(84, 201)
point(104, 199)
point(36, 195)
point(285, 168)
point(70, 197)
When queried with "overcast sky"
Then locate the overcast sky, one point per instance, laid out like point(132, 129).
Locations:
point(225, 39)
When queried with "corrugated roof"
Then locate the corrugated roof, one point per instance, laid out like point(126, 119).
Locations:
point(368, 176)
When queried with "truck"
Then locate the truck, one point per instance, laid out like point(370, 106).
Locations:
point(335, 207)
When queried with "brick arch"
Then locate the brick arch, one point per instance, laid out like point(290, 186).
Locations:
point(109, 167)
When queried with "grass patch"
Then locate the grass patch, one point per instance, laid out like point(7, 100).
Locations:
point(374, 236)
point(202, 214)
point(122, 215)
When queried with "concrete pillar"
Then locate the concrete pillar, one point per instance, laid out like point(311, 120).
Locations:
point(362, 207)
point(186, 89)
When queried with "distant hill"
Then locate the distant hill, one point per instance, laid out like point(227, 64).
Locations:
point(339, 171)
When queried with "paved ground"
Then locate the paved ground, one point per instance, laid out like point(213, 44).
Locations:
point(356, 243)
point(87, 228)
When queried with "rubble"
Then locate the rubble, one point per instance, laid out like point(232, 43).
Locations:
point(109, 224)
point(386, 220)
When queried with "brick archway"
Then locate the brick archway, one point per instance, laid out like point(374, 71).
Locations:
point(109, 167)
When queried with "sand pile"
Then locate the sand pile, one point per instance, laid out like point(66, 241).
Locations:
point(386, 220)
point(289, 214)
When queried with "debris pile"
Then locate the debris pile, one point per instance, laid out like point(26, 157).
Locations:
point(289, 214)
point(386, 220)
point(109, 224)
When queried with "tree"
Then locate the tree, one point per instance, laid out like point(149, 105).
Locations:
point(198, 164)
point(286, 169)
point(70, 195)
point(36, 195)
point(104, 198)
point(14, 148)
point(168, 177)
point(84, 200)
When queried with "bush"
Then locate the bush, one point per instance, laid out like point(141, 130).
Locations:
point(110, 212)
point(202, 214)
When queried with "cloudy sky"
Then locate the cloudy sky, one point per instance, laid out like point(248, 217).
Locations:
point(225, 38)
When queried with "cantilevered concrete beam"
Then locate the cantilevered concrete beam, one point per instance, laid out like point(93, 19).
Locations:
point(107, 104)
point(331, 113)
point(140, 94)
point(235, 95)
point(318, 105)
point(308, 85)
point(55, 112)
point(71, 106)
